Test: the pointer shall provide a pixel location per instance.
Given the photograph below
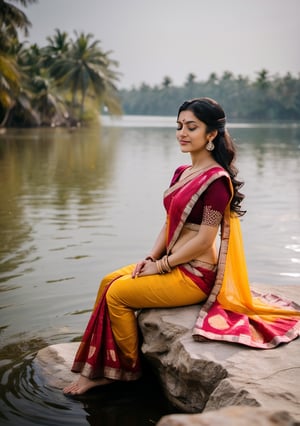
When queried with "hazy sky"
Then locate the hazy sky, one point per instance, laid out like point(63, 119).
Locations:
point(156, 38)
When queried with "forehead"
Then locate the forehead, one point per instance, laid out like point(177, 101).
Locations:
point(188, 116)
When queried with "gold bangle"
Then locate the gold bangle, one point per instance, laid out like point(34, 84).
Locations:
point(159, 266)
point(165, 263)
point(168, 263)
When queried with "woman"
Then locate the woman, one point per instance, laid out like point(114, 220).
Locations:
point(184, 267)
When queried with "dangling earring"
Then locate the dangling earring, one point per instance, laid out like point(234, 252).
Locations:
point(210, 146)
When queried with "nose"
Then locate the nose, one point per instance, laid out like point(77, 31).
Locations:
point(182, 131)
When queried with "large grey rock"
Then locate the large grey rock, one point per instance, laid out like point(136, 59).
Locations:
point(201, 377)
point(207, 376)
point(54, 364)
point(229, 416)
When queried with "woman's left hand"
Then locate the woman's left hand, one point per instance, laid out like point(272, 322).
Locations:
point(143, 268)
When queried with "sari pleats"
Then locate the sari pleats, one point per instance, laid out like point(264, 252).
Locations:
point(98, 354)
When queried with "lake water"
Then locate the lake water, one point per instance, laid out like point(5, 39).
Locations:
point(78, 204)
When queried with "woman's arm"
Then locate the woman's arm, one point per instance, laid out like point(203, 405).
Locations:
point(201, 245)
point(159, 248)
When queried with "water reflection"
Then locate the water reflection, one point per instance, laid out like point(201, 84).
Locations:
point(42, 170)
point(74, 206)
point(25, 399)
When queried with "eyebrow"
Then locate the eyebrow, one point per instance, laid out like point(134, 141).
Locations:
point(187, 122)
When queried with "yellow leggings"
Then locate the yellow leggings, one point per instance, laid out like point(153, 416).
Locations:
point(127, 294)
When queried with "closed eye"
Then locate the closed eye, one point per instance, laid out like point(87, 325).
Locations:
point(190, 129)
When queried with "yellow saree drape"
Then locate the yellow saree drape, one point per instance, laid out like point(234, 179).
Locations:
point(233, 312)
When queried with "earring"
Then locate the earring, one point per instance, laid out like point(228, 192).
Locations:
point(210, 146)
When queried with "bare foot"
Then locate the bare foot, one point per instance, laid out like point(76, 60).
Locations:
point(84, 384)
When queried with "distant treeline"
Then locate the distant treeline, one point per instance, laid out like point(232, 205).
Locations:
point(266, 98)
point(70, 80)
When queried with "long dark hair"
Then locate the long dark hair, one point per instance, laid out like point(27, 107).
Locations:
point(212, 114)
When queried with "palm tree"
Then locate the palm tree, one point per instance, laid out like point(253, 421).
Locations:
point(167, 82)
point(262, 80)
point(190, 80)
point(213, 78)
point(58, 47)
point(47, 103)
point(86, 71)
point(38, 87)
point(13, 19)
point(9, 86)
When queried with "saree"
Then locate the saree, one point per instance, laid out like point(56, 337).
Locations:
point(179, 200)
point(231, 312)
point(98, 354)
point(235, 313)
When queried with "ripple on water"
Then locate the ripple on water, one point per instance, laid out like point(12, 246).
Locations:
point(26, 399)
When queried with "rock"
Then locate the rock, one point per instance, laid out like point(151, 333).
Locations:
point(241, 416)
point(207, 376)
point(203, 377)
point(54, 364)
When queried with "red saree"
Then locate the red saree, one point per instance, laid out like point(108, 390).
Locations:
point(98, 355)
point(179, 200)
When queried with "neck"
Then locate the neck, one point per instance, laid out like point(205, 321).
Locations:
point(202, 165)
point(202, 161)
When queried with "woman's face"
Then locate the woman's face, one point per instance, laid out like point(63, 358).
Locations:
point(191, 133)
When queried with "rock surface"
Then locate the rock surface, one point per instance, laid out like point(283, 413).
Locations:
point(238, 416)
point(206, 376)
point(54, 364)
point(201, 377)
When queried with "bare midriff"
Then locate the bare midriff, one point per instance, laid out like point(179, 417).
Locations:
point(188, 232)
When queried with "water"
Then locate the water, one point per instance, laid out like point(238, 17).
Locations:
point(76, 205)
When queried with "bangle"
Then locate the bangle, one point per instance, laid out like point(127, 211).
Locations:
point(166, 265)
point(159, 267)
point(150, 258)
point(163, 265)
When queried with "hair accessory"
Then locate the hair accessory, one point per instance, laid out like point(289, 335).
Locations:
point(221, 122)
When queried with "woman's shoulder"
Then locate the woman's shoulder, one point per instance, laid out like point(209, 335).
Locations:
point(178, 171)
point(181, 168)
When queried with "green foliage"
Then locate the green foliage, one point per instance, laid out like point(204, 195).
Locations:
point(52, 85)
point(265, 98)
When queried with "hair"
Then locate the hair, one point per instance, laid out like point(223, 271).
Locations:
point(212, 114)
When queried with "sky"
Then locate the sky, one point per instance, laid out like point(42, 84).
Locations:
point(152, 39)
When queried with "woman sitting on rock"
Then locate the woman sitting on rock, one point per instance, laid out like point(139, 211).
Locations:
point(184, 266)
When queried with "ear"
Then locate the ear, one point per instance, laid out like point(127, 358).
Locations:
point(211, 135)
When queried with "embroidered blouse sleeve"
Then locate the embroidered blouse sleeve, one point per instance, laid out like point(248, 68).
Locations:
point(215, 200)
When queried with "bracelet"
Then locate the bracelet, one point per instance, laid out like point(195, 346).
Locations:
point(166, 265)
point(159, 267)
point(150, 258)
point(163, 265)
